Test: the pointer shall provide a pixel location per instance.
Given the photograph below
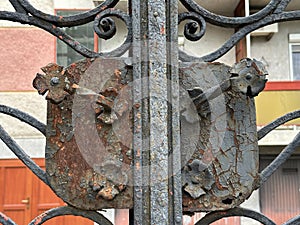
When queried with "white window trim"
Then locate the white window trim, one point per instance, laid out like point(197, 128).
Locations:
point(291, 59)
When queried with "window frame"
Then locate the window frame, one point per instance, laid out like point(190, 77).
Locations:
point(96, 38)
point(294, 40)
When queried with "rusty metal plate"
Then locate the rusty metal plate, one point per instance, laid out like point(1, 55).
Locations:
point(86, 165)
point(223, 169)
point(89, 133)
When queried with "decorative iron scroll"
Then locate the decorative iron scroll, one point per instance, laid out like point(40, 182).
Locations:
point(105, 28)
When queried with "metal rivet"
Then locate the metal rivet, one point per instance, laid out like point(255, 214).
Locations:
point(54, 81)
point(155, 14)
point(178, 219)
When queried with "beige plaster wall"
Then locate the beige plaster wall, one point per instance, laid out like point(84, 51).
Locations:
point(275, 52)
point(45, 6)
point(29, 102)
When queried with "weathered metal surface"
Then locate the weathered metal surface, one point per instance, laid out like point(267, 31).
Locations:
point(89, 156)
point(158, 115)
point(223, 169)
point(215, 216)
point(68, 210)
point(140, 215)
point(86, 163)
point(153, 131)
point(202, 171)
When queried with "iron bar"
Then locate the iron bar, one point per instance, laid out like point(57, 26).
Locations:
point(225, 21)
point(158, 110)
point(24, 117)
point(240, 34)
point(140, 154)
point(280, 159)
point(68, 210)
point(277, 122)
point(281, 7)
point(174, 112)
point(67, 21)
point(17, 6)
point(214, 216)
point(5, 220)
point(18, 151)
point(293, 221)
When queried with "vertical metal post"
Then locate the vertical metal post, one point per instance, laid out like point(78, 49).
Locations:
point(157, 180)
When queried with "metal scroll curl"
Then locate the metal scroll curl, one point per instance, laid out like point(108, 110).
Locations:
point(27, 14)
point(231, 22)
point(217, 215)
point(68, 210)
point(272, 13)
point(68, 21)
point(195, 29)
point(105, 28)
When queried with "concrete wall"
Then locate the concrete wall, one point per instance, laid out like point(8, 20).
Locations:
point(214, 38)
point(42, 5)
point(73, 4)
point(276, 51)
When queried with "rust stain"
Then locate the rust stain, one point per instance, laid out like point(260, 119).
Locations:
point(162, 30)
point(137, 105)
point(39, 218)
point(4, 216)
point(81, 175)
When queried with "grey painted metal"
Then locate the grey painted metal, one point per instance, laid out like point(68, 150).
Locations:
point(139, 58)
point(158, 113)
point(154, 136)
point(174, 112)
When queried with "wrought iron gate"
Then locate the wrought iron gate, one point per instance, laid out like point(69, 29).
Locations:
point(154, 63)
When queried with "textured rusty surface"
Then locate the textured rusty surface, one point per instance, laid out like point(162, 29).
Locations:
point(83, 155)
point(92, 170)
point(223, 170)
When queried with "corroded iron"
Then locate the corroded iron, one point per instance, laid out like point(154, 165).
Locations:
point(223, 170)
point(203, 177)
point(219, 173)
point(82, 173)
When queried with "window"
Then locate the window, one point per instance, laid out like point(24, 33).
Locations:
point(294, 40)
point(295, 61)
point(84, 34)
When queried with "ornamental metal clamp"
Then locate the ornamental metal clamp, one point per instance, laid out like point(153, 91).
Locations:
point(90, 129)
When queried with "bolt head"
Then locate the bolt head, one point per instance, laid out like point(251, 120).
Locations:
point(54, 81)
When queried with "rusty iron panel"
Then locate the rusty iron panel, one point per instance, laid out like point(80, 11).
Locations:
point(89, 132)
point(223, 169)
point(86, 165)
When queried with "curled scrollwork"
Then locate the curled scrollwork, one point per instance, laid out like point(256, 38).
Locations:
point(27, 14)
point(68, 21)
point(69, 210)
point(225, 21)
point(217, 215)
point(272, 13)
point(195, 29)
point(105, 28)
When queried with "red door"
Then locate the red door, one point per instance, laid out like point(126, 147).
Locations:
point(23, 196)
